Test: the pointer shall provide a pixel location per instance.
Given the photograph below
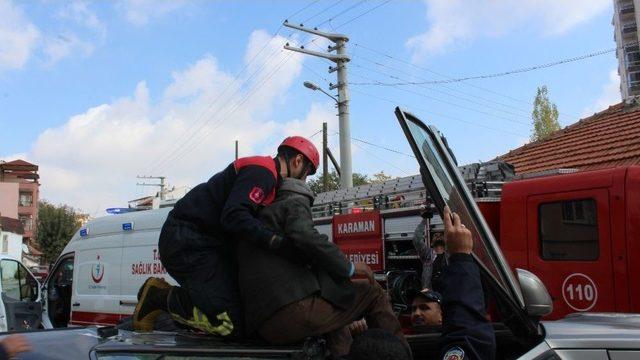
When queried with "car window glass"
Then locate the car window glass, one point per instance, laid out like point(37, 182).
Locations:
point(10, 279)
point(451, 195)
point(63, 274)
point(28, 284)
point(568, 230)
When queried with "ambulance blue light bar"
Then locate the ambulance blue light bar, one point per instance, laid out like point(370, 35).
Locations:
point(116, 211)
point(84, 232)
point(127, 226)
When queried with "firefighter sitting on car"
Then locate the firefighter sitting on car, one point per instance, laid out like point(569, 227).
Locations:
point(198, 240)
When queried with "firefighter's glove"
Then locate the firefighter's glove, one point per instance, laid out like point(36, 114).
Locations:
point(200, 321)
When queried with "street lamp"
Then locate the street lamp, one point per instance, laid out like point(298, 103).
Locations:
point(312, 86)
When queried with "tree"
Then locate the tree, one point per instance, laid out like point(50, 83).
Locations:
point(56, 225)
point(380, 177)
point(334, 181)
point(545, 116)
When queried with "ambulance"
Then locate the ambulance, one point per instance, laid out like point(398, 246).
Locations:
point(95, 280)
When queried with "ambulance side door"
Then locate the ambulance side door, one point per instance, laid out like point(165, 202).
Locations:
point(569, 248)
point(96, 285)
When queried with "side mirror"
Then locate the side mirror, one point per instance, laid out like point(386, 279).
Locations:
point(537, 300)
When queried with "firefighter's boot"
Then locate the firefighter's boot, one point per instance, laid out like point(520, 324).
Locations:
point(152, 301)
point(184, 312)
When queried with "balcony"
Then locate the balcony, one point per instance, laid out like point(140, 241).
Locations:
point(627, 9)
point(629, 28)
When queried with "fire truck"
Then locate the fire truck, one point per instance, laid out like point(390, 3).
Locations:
point(579, 231)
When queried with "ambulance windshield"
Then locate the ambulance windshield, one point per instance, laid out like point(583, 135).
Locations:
point(446, 186)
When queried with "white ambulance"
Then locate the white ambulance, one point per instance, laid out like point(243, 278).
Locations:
point(95, 280)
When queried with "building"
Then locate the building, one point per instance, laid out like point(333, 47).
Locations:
point(625, 21)
point(19, 194)
point(610, 138)
point(11, 237)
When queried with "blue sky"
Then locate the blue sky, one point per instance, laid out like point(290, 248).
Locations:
point(99, 92)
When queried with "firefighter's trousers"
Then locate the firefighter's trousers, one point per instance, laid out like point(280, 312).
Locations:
point(206, 269)
point(313, 316)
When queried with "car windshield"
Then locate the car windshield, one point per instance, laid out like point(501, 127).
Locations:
point(441, 171)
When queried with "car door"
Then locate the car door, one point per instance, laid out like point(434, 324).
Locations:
point(20, 296)
point(447, 188)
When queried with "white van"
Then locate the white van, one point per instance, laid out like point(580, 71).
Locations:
point(21, 307)
point(95, 280)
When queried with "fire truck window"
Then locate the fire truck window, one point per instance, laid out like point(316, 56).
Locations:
point(568, 230)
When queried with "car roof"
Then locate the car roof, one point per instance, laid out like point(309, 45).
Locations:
point(594, 330)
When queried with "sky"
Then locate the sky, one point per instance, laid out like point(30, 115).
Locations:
point(96, 93)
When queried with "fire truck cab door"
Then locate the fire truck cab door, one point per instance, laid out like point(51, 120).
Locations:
point(569, 248)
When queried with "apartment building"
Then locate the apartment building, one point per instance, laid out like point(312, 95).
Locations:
point(625, 21)
point(19, 194)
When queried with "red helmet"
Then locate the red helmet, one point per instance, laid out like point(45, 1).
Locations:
point(305, 147)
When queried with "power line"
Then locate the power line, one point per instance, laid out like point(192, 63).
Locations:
point(205, 134)
point(361, 57)
point(378, 157)
point(447, 102)
point(363, 14)
point(383, 54)
point(181, 141)
point(175, 153)
point(303, 9)
point(321, 12)
point(442, 92)
point(396, 103)
point(342, 12)
point(381, 147)
point(237, 106)
point(314, 134)
point(500, 74)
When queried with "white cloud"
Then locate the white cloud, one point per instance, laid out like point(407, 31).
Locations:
point(61, 46)
point(79, 12)
point(139, 12)
point(610, 95)
point(460, 21)
point(91, 161)
point(18, 36)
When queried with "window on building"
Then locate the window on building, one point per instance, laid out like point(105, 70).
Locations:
point(27, 222)
point(26, 199)
point(568, 230)
point(5, 244)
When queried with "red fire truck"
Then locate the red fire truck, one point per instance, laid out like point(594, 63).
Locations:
point(578, 231)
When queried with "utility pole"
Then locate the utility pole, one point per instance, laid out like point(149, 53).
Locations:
point(325, 166)
point(162, 184)
point(341, 59)
point(236, 149)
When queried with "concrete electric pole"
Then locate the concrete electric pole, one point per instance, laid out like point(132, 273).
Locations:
point(341, 59)
point(162, 184)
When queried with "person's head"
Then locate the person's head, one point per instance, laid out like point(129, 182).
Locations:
point(378, 344)
point(438, 246)
point(298, 157)
point(426, 308)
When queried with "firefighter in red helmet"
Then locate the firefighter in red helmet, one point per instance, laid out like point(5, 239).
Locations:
point(198, 239)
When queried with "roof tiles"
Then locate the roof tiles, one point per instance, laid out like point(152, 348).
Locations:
point(609, 138)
